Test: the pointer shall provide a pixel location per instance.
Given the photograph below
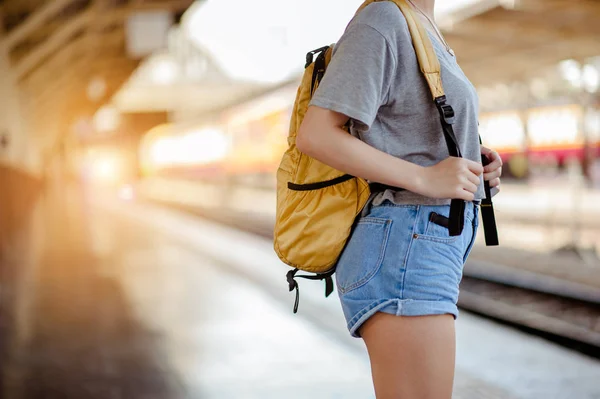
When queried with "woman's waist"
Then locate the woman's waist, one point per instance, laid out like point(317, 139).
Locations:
point(399, 196)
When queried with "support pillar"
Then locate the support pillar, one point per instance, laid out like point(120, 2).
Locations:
point(15, 148)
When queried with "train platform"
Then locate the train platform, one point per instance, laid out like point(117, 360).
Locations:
point(569, 266)
point(112, 299)
point(552, 201)
point(553, 235)
point(542, 231)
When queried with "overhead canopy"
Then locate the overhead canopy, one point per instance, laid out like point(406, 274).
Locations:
point(267, 46)
point(61, 60)
point(515, 40)
point(68, 57)
point(495, 41)
point(242, 56)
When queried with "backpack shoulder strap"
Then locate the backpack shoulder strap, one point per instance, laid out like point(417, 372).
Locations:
point(431, 69)
point(428, 61)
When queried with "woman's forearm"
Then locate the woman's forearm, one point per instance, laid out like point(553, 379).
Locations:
point(321, 137)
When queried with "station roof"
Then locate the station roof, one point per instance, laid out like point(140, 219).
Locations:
point(504, 40)
point(54, 47)
point(496, 41)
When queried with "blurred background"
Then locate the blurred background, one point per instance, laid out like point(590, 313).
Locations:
point(139, 141)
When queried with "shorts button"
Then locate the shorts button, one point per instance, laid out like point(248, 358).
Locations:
point(415, 236)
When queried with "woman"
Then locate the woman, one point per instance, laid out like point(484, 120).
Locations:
point(399, 274)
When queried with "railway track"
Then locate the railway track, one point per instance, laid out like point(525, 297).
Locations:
point(566, 313)
point(572, 322)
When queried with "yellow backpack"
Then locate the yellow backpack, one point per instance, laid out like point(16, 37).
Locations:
point(318, 205)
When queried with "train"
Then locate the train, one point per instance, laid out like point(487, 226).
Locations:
point(244, 143)
point(543, 139)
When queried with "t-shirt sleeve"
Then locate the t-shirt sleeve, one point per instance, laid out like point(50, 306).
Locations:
point(358, 78)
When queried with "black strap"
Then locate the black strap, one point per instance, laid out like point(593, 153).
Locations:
point(318, 71)
point(310, 55)
point(457, 206)
point(487, 211)
point(447, 119)
point(293, 284)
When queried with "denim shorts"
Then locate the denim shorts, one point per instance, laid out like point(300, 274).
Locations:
point(400, 262)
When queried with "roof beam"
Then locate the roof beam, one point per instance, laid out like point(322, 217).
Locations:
point(80, 22)
point(70, 100)
point(523, 29)
point(80, 74)
point(537, 6)
point(62, 60)
point(52, 44)
point(34, 22)
point(448, 21)
point(122, 13)
point(52, 70)
point(167, 5)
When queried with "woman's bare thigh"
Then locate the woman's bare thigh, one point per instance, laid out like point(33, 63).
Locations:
point(411, 357)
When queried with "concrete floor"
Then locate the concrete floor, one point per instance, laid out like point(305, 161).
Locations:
point(124, 300)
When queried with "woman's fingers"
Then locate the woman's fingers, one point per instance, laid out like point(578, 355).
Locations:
point(474, 179)
point(465, 195)
point(493, 174)
point(493, 157)
point(468, 183)
point(495, 182)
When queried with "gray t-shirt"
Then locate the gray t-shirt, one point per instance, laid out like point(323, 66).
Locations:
point(374, 78)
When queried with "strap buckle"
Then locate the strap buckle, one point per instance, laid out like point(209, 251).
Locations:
point(447, 113)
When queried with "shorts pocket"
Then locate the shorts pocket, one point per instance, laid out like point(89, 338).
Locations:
point(436, 232)
point(363, 256)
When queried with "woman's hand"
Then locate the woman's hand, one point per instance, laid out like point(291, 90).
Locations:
point(456, 178)
point(493, 170)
